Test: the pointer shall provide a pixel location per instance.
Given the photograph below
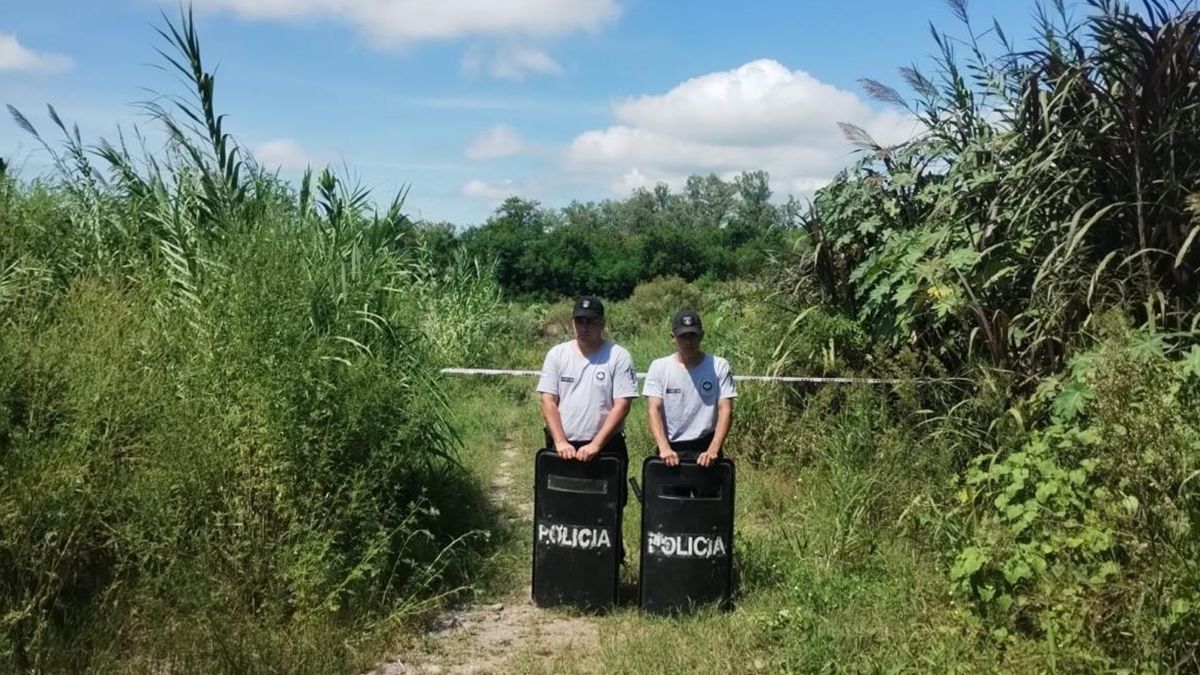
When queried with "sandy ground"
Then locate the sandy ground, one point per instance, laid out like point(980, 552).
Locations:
point(487, 638)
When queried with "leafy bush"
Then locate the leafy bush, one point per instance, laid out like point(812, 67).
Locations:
point(1087, 530)
point(650, 309)
point(1044, 188)
point(220, 420)
point(1043, 192)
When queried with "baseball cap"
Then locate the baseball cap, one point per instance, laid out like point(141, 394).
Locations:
point(588, 306)
point(686, 321)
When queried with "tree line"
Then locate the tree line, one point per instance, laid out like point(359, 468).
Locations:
point(713, 227)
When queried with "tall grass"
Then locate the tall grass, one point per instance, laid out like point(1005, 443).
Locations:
point(223, 446)
point(222, 441)
point(1037, 238)
point(1048, 184)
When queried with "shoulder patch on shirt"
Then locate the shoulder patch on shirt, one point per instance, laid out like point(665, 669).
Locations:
point(674, 391)
point(566, 379)
point(706, 386)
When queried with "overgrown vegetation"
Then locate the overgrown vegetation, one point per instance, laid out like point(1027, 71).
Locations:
point(220, 426)
point(714, 228)
point(1042, 222)
point(222, 439)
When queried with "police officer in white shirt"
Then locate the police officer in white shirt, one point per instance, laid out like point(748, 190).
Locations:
point(691, 397)
point(586, 387)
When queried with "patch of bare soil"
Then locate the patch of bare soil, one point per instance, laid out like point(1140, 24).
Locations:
point(487, 638)
point(484, 639)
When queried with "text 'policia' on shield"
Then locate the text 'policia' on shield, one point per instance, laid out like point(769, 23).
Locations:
point(686, 545)
point(574, 536)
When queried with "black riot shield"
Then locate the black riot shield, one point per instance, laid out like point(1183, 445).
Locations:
point(687, 535)
point(576, 531)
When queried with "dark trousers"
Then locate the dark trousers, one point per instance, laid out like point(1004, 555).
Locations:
point(615, 447)
point(690, 450)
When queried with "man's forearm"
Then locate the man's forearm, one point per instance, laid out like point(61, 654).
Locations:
point(553, 420)
point(724, 422)
point(657, 428)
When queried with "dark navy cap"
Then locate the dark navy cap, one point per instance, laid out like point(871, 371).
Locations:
point(588, 306)
point(686, 321)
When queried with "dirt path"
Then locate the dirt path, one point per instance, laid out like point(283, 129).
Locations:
point(488, 638)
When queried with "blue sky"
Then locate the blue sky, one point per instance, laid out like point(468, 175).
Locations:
point(467, 101)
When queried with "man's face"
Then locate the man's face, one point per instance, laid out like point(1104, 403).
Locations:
point(687, 344)
point(588, 330)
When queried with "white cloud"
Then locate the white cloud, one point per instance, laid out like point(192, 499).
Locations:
point(509, 62)
point(505, 26)
point(490, 191)
point(758, 116)
point(495, 143)
point(759, 103)
point(389, 23)
point(15, 56)
point(285, 153)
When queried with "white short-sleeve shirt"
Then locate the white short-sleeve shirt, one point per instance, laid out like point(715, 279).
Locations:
point(587, 385)
point(690, 396)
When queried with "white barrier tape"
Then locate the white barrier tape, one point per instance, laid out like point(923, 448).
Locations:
point(492, 371)
point(738, 378)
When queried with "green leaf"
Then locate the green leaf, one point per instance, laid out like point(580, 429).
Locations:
point(1015, 511)
point(962, 259)
point(1017, 570)
point(1107, 569)
point(968, 562)
point(903, 179)
point(1046, 490)
point(1148, 346)
point(1189, 365)
point(904, 292)
point(1071, 402)
point(869, 225)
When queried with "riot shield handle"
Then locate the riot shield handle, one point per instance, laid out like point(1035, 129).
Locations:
point(637, 491)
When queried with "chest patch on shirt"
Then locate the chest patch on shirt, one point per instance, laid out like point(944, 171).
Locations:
point(599, 374)
point(706, 386)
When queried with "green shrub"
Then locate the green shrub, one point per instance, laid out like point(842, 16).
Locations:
point(649, 310)
point(232, 465)
point(221, 424)
point(1086, 532)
